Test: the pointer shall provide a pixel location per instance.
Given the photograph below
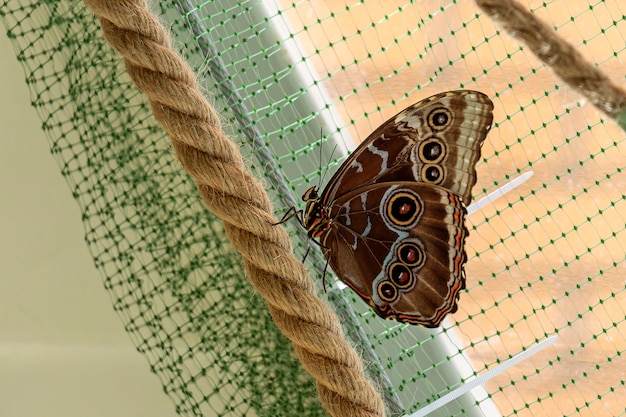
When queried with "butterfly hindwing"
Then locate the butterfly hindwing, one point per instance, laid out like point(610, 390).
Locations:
point(400, 247)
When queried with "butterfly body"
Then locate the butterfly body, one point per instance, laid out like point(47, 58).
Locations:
point(391, 221)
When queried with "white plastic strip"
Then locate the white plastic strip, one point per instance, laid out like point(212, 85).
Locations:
point(494, 195)
point(481, 379)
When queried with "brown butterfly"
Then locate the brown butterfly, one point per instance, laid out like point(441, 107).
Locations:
point(391, 221)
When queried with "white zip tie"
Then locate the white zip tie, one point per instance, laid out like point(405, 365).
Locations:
point(481, 379)
point(500, 192)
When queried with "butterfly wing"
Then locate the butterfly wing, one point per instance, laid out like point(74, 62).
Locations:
point(392, 219)
point(400, 247)
point(436, 141)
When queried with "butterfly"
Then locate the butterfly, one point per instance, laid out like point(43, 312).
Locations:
point(391, 221)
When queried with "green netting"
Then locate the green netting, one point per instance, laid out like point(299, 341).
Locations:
point(546, 259)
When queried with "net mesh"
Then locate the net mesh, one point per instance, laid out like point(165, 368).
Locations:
point(546, 259)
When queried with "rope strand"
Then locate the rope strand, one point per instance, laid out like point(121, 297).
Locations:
point(234, 195)
point(562, 57)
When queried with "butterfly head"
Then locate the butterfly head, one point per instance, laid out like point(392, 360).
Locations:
point(310, 195)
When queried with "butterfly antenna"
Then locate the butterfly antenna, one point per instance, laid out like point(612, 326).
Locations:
point(322, 174)
point(323, 177)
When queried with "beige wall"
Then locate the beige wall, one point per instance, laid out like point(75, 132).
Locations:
point(63, 351)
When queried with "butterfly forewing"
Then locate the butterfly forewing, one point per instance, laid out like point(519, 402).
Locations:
point(436, 140)
point(391, 221)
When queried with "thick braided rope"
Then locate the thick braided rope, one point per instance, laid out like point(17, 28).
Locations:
point(241, 202)
point(562, 57)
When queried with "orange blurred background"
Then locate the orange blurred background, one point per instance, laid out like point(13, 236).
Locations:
point(547, 258)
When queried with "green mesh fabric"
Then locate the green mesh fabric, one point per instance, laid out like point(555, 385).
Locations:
point(546, 259)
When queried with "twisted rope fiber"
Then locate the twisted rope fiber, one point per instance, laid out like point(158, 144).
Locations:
point(562, 57)
point(234, 195)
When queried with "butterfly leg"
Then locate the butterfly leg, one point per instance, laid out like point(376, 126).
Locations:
point(308, 249)
point(292, 212)
point(324, 275)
